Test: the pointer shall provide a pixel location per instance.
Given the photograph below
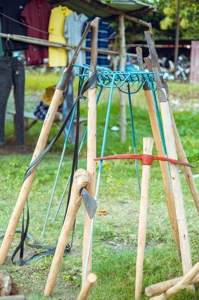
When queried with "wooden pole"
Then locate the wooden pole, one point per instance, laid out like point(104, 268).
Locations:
point(158, 142)
point(182, 284)
point(91, 152)
point(122, 68)
point(177, 189)
point(185, 250)
point(187, 171)
point(42, 42)
point(81, 179)
point(165, 285)
point(163, 165)
point(90, 281)
point(147, 149)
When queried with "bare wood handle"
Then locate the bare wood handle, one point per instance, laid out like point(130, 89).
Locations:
point(183, 283)
point(177, 189)
point(161, 287)
point(147, 149)
point(162, 90)
point(187, 170)
point(163, 165)
point(81, 179)
point(90, 281)
point(91, 152)
point(159, 147)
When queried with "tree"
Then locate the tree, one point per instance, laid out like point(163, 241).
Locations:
point(189, 24)
point(164, 20)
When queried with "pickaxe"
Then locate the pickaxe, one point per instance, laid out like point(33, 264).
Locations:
point(147, 159)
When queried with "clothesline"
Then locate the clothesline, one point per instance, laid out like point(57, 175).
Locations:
point(28, 26)
point(42, 42)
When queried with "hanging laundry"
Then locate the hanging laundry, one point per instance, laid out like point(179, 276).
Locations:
point(105, 33)
point(73, 28)
point(36, 14)
point(12, 73)
point(57, 56)
point(1, 45)
point(11, 23)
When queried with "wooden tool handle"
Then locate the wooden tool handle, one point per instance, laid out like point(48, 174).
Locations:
point(162, 91)
point(81, 179)
point(161, 287)
point(147, 149)
point(187, 170)
point(90, 281)
point(91, 152)
point(183, 283)
point(163, 165)
point(159, 146)
point(177, 189)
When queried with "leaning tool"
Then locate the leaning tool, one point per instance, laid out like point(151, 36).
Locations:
point(91, 151)
point(182, 284)
point(25, 189)
point(147, 160)
point(179, 147)
point(163, 286)
point(81, 181)
point(158, 138)
point(162, 92)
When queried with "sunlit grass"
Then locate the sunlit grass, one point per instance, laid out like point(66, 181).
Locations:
point(37, 81)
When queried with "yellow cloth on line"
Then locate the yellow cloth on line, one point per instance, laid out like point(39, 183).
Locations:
point(58, 57)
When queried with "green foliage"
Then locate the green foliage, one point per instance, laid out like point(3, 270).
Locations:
point(188, 17)
point(164, 21)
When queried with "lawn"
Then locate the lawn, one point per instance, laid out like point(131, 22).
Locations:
point(115, 233)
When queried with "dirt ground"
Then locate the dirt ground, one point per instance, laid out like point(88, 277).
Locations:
point(10, 148)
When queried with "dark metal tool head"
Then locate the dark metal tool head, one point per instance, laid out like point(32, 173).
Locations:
point(89, 201)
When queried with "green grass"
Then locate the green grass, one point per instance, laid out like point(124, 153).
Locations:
point(38, 81)
point(115, 234)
